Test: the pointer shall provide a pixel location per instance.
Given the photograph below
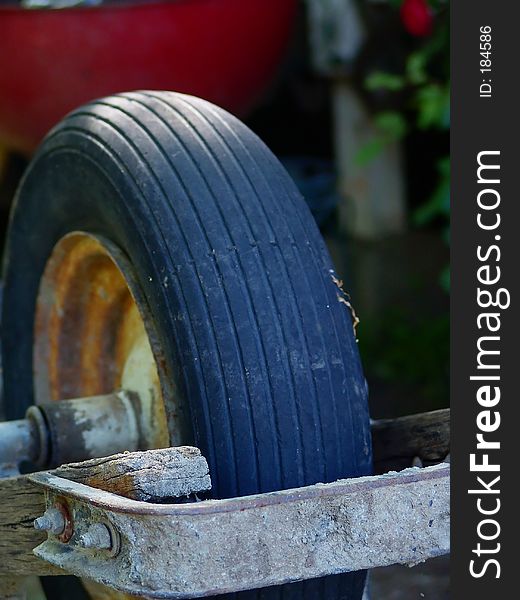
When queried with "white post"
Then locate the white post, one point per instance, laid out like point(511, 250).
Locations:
point(373, 196)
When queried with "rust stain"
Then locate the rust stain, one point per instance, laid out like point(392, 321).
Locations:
point(87, 325)
point(82, 312)
point(66, 534)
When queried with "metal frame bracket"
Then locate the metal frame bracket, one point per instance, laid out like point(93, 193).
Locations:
point(219, 546)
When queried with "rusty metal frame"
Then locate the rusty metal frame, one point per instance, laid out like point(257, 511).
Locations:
point(218, 546)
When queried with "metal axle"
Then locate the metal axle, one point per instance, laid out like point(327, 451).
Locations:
point(18, 442)
point(71, 430)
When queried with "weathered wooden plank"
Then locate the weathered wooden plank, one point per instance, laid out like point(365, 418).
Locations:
point(151, 476)
point(396, 442)
point(20, 503)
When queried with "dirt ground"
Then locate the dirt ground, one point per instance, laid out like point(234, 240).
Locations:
point(429, 581)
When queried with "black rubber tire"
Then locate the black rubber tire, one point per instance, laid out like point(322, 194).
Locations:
point(236, 276)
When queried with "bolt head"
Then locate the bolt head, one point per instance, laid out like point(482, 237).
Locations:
point(51, 521)
point(97, 537)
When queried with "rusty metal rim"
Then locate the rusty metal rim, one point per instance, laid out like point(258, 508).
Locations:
point(94, 333)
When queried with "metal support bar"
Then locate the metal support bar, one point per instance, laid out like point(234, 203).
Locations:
point(215, 547)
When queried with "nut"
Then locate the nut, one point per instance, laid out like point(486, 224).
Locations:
point(56, 520)
point(96, 537)
point(52, 521)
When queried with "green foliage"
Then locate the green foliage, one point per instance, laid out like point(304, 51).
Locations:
point(427, 98)
point(369, 151)
point(432, 102)
point(439, 203)
point(445, 279)
point(379, 80)
point(422, 90)
point(415, 352)
point(391, 125)
point(402, 346)
point(416, 68)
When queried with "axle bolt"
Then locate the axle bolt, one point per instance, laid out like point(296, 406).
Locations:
point(97, 537)
point(52, 521)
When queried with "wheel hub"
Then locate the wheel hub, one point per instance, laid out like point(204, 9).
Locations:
point(93, 334)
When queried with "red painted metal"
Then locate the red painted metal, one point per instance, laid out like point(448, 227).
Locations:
point(54, 60)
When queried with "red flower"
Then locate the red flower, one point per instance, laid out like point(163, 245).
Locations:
point(417, 17)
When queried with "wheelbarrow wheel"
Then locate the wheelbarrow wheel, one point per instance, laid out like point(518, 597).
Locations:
point(253, 347)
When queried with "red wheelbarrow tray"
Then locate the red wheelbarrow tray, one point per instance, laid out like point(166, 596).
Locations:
point(52, 61)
